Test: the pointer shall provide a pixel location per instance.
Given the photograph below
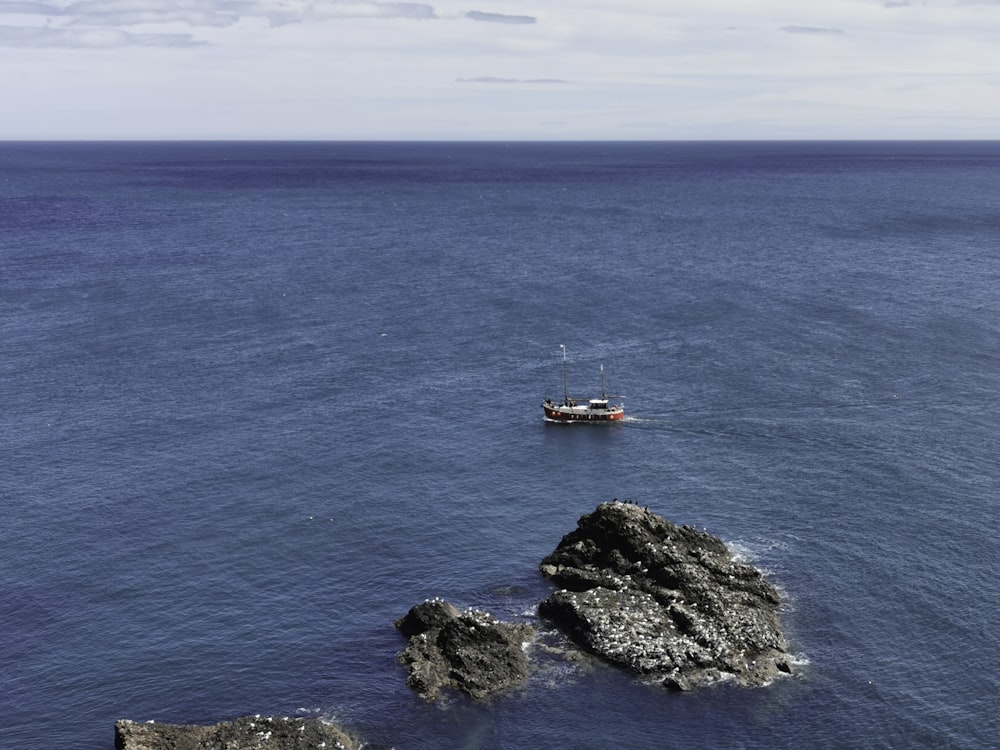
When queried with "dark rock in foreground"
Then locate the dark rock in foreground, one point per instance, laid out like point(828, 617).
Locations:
point(246, 733)
point(666, 602)
point(470, 652)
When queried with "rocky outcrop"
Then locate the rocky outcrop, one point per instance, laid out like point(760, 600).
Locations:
point(666, 602)
point(469, 652)
point(246, 733)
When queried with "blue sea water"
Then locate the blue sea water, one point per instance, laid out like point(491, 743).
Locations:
point(259, 399)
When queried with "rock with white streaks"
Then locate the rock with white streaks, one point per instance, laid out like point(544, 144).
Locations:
point(666, 602)
point(245, 733)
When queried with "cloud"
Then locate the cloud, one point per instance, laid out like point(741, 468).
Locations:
point(41, 37)
point(373, 10)
point(29, 8)
point(100, 23)
point(477, 15)
point(102, 13)
point(98, 19)
point(492, 79)
point(228, 12)
point(96, 24)
point(809, 30)
point(283, 13)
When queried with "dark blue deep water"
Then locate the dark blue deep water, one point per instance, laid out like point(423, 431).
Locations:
point(260, 399)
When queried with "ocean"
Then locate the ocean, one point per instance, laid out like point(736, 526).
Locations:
point(259, 399)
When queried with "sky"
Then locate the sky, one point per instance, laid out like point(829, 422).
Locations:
point(499, 69)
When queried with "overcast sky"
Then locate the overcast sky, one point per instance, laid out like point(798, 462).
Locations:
point(500, 69)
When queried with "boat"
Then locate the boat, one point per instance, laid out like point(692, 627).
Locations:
point(582, 410)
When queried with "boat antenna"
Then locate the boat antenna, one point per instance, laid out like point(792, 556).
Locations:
point(603, 394)
point(565, 382)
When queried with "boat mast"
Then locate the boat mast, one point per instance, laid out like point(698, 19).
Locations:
point(565, 381)
point(603, 395)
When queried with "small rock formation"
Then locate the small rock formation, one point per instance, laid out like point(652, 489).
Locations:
point(246, 733)
point(470, 652)
point(666, 602)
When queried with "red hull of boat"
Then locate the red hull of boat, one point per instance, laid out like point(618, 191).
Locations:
point(583, 416)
